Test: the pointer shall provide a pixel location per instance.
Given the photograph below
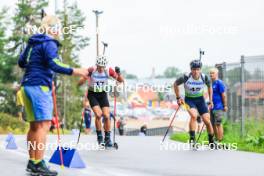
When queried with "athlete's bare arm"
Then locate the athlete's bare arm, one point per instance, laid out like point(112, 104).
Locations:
point(177, 83)
point(81, 81)
point(120, 78)
point(176, 90)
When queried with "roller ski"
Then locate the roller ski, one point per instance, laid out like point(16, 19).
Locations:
point(101, 144)
point(193, 141)
point(115, 144)
point(212, 144)
point(193, 145)
point(108, 143)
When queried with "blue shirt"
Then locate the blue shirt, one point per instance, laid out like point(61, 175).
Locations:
point(40, 60)
point(218, 89)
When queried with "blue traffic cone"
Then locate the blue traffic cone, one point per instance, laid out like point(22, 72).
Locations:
point(11, 144)
point(75, 131)
point(71, 158)
point(9, 137)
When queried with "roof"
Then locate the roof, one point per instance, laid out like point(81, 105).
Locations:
point(253, 90)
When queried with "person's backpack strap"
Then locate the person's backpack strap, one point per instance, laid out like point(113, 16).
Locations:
point(203, 77)
point(186, 77)
point(206, 79)
point(107, 72)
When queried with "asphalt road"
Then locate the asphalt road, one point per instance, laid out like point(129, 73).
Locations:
point(139, 156)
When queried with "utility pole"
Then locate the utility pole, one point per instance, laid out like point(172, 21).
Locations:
point(201, 53)
point(56, 6)
point(97, 13)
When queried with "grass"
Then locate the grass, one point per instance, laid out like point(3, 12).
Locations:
point(253, 141)
point(11, 124)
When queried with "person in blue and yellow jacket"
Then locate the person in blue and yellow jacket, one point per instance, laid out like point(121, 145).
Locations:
point(40, 60)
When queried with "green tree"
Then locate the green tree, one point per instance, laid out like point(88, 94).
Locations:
point(131, 76)
point(70, 102)
point(161, 96)
point(257, 74)
point(7, 99)
point(128, 75)
point(159, 77)
point(233, 76)
point(27, 16)
point(206, 69)
point(27, 13)
point(172, 72)
point(7, 61)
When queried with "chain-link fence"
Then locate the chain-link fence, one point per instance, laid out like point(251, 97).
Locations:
point(245, 89)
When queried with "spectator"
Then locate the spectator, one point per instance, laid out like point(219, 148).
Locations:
point(121, 125)
point(220, 104)
point(143, 129)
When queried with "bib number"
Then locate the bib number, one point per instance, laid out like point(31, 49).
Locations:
point(195, 89)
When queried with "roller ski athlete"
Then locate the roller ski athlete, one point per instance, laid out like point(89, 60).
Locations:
point(98, 97)
point(194, 84)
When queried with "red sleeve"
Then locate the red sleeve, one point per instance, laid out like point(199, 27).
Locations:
point(112, 73)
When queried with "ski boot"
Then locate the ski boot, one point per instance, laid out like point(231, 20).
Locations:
point(40, 169)
point(108, 142)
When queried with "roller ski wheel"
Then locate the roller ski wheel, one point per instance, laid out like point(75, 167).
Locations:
point(193, 145)
point(116, 146)
point(214, 146)
point(101, 146)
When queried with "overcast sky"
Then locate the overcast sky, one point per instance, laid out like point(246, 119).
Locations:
point(159, 33)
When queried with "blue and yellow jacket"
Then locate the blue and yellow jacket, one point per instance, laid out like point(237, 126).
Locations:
point(40, 60)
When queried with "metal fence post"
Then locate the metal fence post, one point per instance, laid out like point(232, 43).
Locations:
point(242, 81)
point(228, 114)
point(224, 72)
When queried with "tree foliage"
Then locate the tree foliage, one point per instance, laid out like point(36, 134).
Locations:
point(172, 72)
point(73, 42)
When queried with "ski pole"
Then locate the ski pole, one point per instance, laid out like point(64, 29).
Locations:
point(114, 113)
point(201, 53)
point(200, 133)
point(57, 124)
point(105, 46)
point(80, 128)
point(170, 124)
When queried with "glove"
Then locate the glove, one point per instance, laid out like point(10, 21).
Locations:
point(117, 70)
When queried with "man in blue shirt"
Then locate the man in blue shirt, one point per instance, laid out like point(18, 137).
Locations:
point(220, 104)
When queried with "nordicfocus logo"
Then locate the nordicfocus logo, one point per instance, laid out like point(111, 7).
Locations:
point(88, 146)
point(71, 29)
point(132, 88)
point(173, 146)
